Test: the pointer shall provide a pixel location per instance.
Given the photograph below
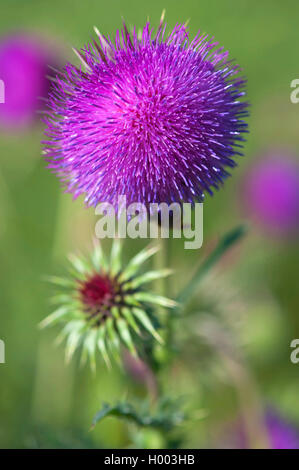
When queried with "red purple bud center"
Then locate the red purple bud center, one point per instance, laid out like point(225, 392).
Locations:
point(97, 291)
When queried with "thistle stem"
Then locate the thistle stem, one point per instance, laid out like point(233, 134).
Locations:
point(162, 261)
point(250, 406)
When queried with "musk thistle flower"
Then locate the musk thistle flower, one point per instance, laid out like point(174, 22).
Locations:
point(103, 305)
point(271, 193)
point(281, 433)
point(154, 117)
point(24, 68)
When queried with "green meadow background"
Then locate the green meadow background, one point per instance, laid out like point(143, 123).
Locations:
point(43, 402)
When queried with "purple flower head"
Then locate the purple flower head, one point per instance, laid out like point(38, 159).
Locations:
point(23, 69)
point(271, 193)
point(154, 117)
point(282, 435)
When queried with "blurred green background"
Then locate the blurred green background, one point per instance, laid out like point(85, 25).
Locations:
point(45, 403)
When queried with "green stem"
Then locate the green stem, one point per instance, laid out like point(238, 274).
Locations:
point(249, 403)
point(162, 259)
point(223, 246)
point(167, 293)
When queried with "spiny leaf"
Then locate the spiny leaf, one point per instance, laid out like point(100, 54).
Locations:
point(164, 418)
point(122, 410)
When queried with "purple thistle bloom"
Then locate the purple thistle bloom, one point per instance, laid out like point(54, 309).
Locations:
point(153, 117)
point(282, 435)
point(23, 69)
point(271, 193)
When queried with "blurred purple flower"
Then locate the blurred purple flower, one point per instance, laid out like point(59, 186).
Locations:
point(24, 63)
point(281, 434)
point(271, 193)
point(154, 117)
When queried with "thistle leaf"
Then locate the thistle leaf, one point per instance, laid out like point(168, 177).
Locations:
point(167, 415)
point(121, 410)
